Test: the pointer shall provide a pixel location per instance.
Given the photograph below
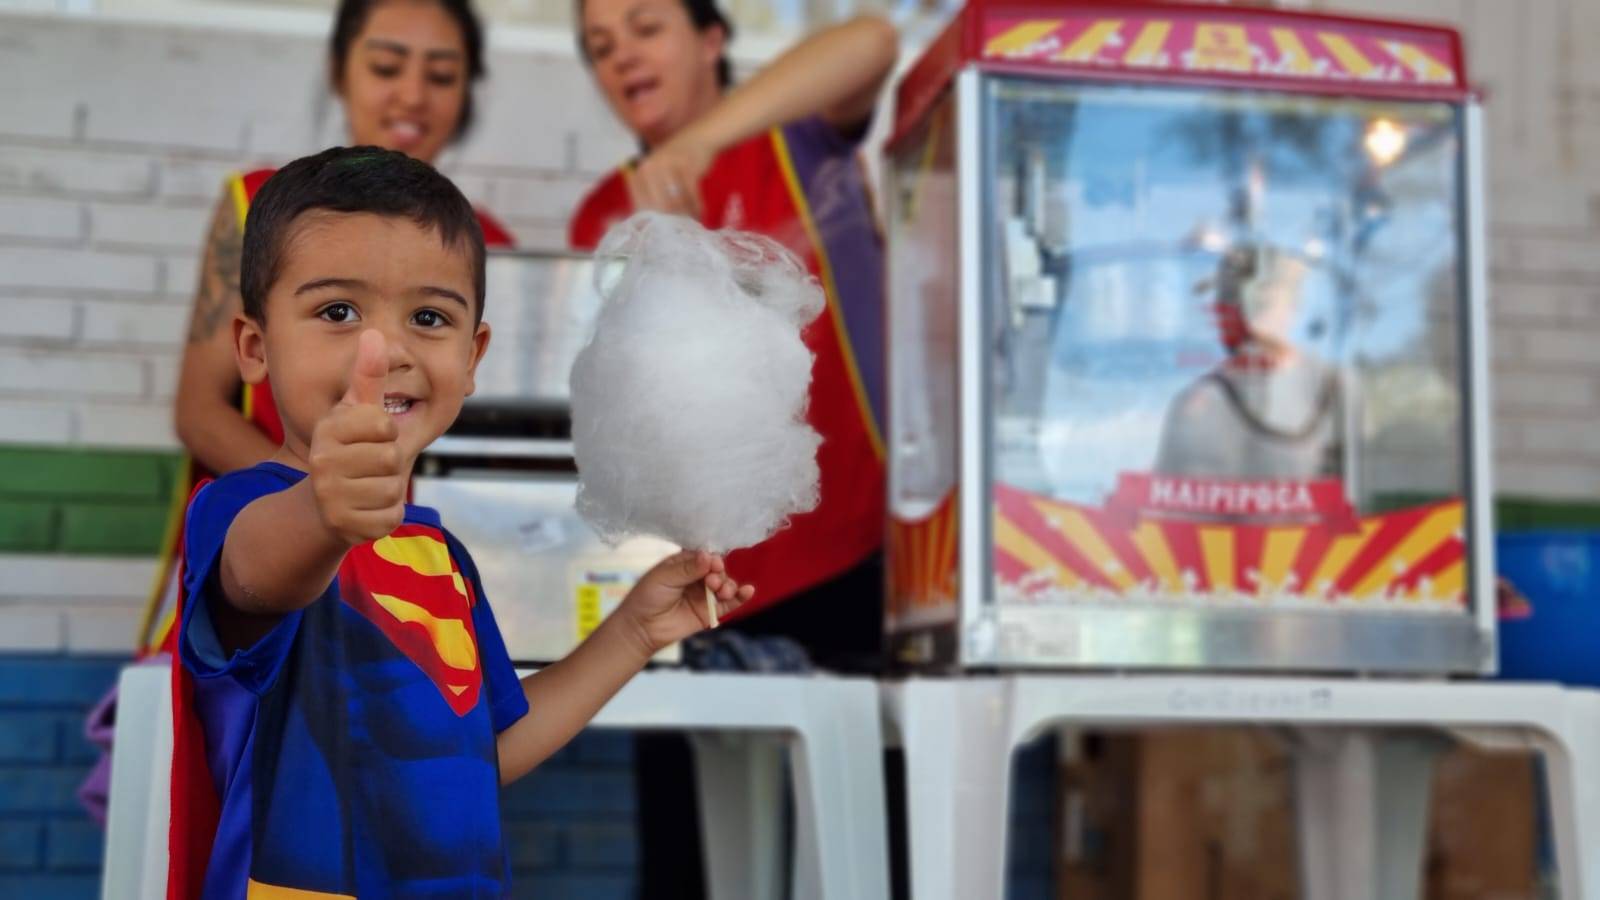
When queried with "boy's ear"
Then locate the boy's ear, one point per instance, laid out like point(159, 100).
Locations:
point(480, 345)
point(250, 349)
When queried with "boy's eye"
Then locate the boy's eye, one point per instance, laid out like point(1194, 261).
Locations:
point(442, 79)
point(429, 318)
point(386, 71)
point(339, 312)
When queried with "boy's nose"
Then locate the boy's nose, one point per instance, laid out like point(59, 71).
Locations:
point(397, 341)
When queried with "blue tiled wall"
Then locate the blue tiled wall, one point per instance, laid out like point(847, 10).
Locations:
point(570, 824)
point(49, 848)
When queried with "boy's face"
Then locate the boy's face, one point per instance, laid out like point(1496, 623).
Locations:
point(342, 274)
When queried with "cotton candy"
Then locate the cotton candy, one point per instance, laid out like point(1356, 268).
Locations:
point(689, 400)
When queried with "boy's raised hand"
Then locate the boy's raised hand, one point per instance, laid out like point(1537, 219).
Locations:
point(669, 603)
point(358, 474)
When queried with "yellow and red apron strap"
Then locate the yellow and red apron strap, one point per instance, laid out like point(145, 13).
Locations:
point(156, 624)
point(156, 621)
point(797, 196)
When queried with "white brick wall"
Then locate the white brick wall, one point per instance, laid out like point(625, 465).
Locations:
point(29, 268)
point(40, 322)
point(138, 424)
point(114, 142)
point(26, 220)
point(110, 322)
point(1540, 393)
point(48, 373)
point(32, 630)
point(139, 226)
point(24, 422)
point(76, 604)
point(52, 169)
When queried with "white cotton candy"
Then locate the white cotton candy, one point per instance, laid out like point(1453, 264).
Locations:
point(689, 401)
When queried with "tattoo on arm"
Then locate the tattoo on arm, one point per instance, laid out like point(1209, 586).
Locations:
point(217, 298)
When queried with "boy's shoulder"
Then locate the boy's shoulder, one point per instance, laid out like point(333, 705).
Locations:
point(257, 481)
point(266, 472)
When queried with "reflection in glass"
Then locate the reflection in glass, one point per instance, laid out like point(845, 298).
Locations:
point(923, 285)
point(1233, 285)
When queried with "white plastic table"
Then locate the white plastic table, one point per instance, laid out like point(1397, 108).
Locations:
point(1361, 775)
point(741, 726)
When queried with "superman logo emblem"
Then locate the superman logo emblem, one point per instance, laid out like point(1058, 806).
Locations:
point(408, 586)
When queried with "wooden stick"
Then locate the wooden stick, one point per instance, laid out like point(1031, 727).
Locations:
point(711, 607)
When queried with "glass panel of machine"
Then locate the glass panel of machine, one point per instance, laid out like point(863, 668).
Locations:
point(1226, 337)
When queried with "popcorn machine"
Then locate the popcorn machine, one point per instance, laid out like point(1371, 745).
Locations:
point(1188, 362)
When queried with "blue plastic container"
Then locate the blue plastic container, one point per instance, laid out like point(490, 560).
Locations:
point(1559, 573)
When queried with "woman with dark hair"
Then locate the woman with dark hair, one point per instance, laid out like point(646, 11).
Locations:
point(403, 72)
point(775, 155)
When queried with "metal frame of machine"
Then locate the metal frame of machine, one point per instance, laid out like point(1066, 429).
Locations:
point(973, 629)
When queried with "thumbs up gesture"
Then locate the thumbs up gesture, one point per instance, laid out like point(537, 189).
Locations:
point(358, 474)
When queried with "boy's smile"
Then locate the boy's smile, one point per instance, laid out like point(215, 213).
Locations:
point(345, 273)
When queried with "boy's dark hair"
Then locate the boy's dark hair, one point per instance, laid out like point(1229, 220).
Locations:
point(352, 180)
point(352, 16)
point(703, 14)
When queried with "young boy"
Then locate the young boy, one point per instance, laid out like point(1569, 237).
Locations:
point(358, 709)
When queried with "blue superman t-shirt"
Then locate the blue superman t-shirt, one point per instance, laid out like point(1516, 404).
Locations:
point(353, 747)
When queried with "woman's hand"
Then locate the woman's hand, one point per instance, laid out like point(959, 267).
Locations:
point(835, 73)
point(668, 179)
point(669, 602)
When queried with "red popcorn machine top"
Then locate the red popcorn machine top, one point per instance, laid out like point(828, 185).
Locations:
point(1188, 362)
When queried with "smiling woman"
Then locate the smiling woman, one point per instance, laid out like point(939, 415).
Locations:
point(403, 71)
point(776, 155)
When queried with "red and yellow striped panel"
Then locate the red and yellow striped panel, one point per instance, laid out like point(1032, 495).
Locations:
point(922, 560)
point(1409, 555)
point(1323, 50)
